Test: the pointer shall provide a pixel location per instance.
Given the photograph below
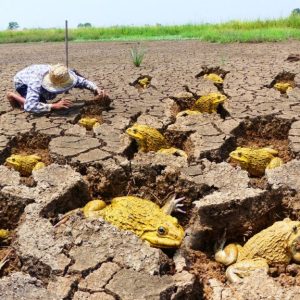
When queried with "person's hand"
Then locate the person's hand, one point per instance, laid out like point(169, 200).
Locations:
point(100, 93)
point(62, 104)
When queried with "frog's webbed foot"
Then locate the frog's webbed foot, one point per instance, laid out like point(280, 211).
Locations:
point(174, 205)
point(241, 269)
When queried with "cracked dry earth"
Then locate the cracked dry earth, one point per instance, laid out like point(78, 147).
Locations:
point(84, 259)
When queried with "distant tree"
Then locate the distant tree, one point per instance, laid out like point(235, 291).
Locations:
point(13, 25)
point(295, 11)
point(80, 25)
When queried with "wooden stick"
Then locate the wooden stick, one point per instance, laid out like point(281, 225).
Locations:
point(66, 43)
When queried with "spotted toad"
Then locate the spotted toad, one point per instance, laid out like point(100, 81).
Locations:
point(150, 139)
point(205, 104)
point(25, 164)
point(255, 161)
point(214, 77)
point(89, 123)
point(146, 219)
point(283, 87)
point(277, 244)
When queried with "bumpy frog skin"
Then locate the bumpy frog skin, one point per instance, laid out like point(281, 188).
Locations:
point(209, 103)
point(205, 104)
point(144, 82)
point(214, 77)
point(143, 217)
point(150, 139)
point(89, 123)
point(25, 164)
point(283, 87)
point(277, 244)
point(255, 161)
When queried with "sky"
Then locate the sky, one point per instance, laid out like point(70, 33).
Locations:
point(45, 13)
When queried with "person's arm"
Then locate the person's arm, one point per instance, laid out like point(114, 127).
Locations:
point(32, 103)
point(83, 83)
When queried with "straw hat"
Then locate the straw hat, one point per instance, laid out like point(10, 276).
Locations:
point(59, 79)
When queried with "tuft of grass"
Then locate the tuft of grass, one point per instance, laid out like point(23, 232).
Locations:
point(228, 32)
point(137, 55)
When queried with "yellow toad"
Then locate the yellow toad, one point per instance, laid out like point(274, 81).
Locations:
point(144, 82)
point(277, 244)
point(214, 77)
point(283, 87)
point(89, 123)
point(205, 104)
point(4, 234)
point(255, 161)
point(209, 103)
point(25, 164)
point(143, 217)
point(150, 139)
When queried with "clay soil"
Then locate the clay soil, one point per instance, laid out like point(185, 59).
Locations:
point(172, 65)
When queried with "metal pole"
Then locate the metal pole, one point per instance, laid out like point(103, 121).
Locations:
point(66, 43)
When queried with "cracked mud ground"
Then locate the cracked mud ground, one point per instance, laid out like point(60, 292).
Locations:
point(84, 259)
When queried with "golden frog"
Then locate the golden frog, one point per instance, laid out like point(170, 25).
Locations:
point(144, 82)
point(277, 244)
point(143, 217)
point(283, 87)
point(4, 234)
point(25, 164)
point(89, 123)
point(255, 161)
point(205, 104)
point(214, 77)
point(209, 103)
point(150, 139)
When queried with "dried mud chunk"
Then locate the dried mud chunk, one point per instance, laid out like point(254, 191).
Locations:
point(257, 286)
point(68, 146)
point(23, 286)
point(99, 278)
point(94, 296)
point(128, 285)
point(293, 57)
point(287, 175)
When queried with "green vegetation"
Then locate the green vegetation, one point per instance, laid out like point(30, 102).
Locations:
point(137, 55)
point(80, 25)
point(13, 25)
point(234, 31)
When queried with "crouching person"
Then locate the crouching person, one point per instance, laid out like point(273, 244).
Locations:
point(38, 83)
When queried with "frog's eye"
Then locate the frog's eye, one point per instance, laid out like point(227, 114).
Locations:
point(239, 154)
point(134, 130)
point(13, 159)
point(295, 229)
point(161, 230)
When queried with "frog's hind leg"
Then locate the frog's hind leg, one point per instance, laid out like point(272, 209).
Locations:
point(227, 255)
point(274, 163)
point(173, 205)
point(241, 269)
point(92, 208)
point(38, 166)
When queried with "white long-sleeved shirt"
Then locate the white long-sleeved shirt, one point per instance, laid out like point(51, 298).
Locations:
point(37, 96)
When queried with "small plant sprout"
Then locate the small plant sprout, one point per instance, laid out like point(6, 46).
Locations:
point(137, 55)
